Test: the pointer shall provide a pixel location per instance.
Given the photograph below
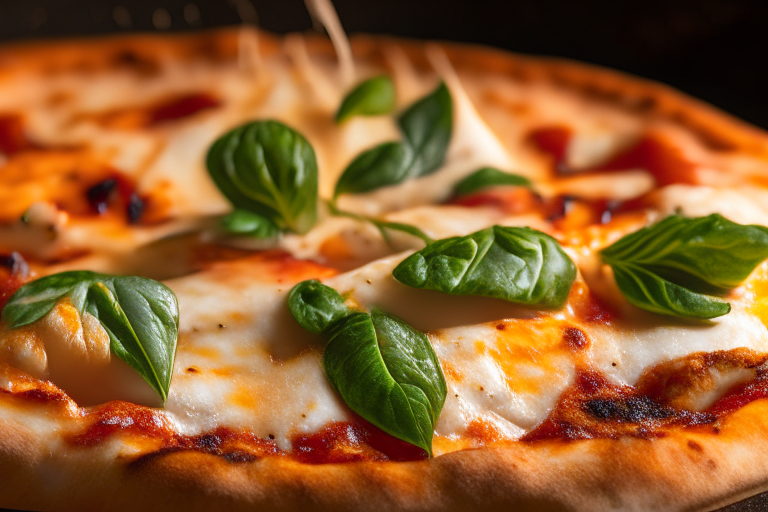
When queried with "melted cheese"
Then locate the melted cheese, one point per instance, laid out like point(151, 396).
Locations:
point(242, 361)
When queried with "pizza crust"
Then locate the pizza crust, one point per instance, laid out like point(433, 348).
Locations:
point(687, 469)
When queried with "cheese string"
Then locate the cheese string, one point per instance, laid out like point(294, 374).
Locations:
point(248, 54)
point(323, 12)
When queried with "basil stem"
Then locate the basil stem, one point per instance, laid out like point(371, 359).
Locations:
point(426, 127)
point(668, 267)
point(382, 225)
point(140, 315)
point(373, 97)
point(269, 169)
point(516, 264)
point(488, 177)
point(383, 369)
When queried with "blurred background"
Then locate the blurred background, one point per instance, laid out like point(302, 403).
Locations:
point(713, 49)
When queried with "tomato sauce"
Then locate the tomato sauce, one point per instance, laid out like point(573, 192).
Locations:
point(13, 273)
point(350, 441)
point(653, 153)
point(182, 107)
point(13, 138)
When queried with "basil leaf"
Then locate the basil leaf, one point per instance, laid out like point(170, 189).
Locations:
point(516, 264)
point(316, 306)
point(648, 291)
point(705, 254)
point(245, 223)
point(487, 177)
point(35, 299)
point(381, 166)
point(427, 127)
point(269, 169)
point(373, 97)
point(141, 316)
point(667, 267)
point(388, 373)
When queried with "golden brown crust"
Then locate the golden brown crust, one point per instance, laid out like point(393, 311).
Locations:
point(689, 469)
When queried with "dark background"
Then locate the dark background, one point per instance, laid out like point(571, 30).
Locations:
point(713, 49)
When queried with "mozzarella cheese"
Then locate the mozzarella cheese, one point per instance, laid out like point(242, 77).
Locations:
point(242, 361)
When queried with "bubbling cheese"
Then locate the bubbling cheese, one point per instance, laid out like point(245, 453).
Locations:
point(242, 361)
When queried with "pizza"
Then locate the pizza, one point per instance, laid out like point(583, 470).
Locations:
point(240, 272)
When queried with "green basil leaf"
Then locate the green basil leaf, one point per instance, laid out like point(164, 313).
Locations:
point(388, 373)
point(245, 223)
point(519, 265)
point(487, 177)
point(381, 166)
point(316, 306)
point(269, 169)
point(648, 291)
point(427, 126)
point(373, 97)
point(140, 315)
point(34, 300)
point(706, 254)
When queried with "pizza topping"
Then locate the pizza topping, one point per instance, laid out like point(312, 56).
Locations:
point(13, 138)
point(554, 141)
point(386, 371)
point(139, 315)
point(269, 169)
point(350, 441)
point(373, 97)
point(245, 223)
point(667, 267)
point(382, 225)
point(519, 265)
point(488, 177)
point(101, 196)
point(184, 106)
point(426, 127)
point(316, 306)
point(655, 154)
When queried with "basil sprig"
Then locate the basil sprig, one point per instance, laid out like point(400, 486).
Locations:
point(245, 223)
point(516, 264)
point(140, 315)
point(426, 127)
point(382, 225)
point(269, 169)
point(668, 268)
point(373, 97)
point(383, 369)
point(488, 177)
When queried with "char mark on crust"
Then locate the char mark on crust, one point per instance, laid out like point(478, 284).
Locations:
point(594, 407)
point(633, 409)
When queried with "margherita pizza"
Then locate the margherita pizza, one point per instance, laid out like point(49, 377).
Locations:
point(239, 275)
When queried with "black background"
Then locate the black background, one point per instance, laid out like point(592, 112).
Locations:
point(714, 49)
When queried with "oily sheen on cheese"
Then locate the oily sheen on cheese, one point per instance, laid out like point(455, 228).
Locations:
point(242, 361)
